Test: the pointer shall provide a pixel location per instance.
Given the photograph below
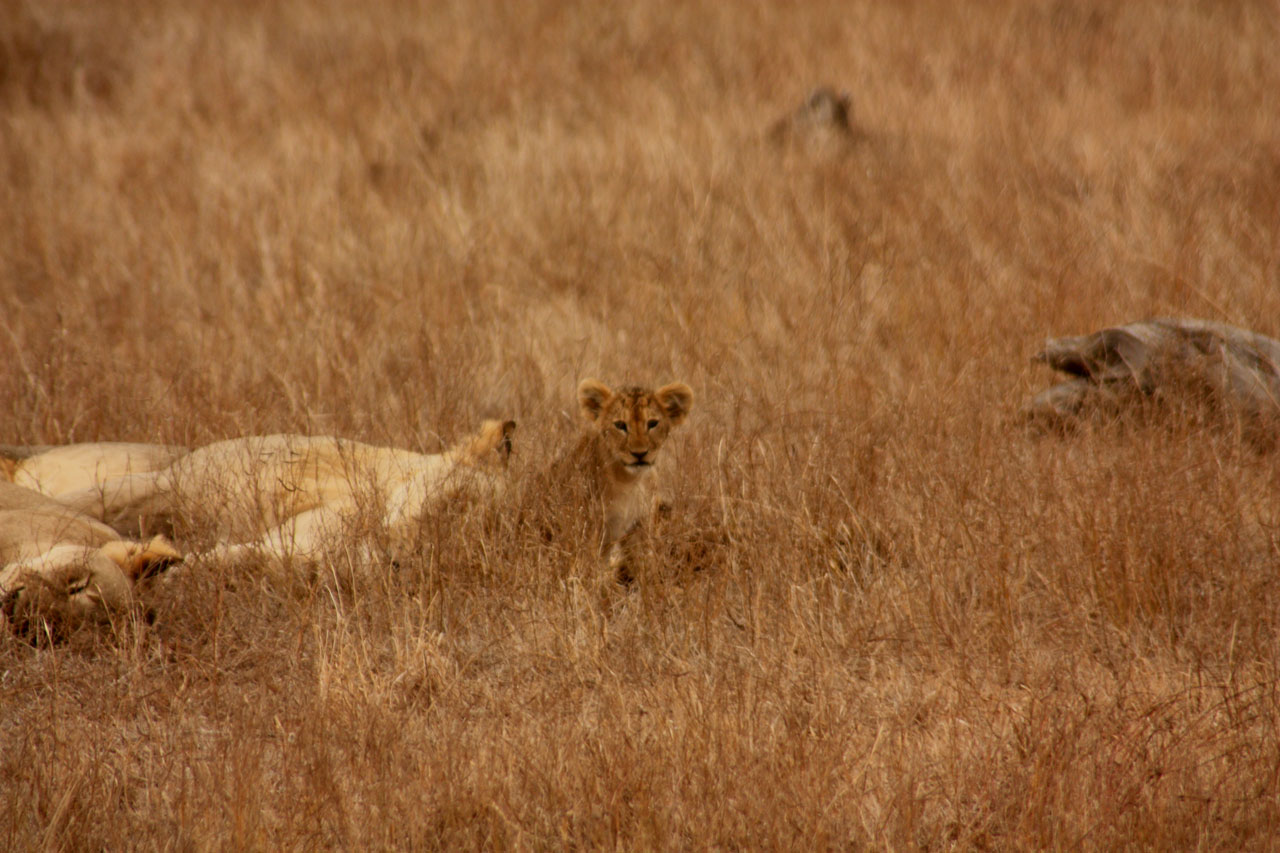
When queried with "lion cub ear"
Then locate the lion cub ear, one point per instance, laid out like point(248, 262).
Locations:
point(593, 395)
point(676, 400)
point(142, 560)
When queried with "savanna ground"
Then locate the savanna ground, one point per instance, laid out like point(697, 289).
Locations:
point(882, 615)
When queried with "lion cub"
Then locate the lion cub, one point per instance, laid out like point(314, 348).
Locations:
point(623, 430)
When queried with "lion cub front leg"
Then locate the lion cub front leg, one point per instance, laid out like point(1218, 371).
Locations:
point(617, 545)
point(627, 537)
point(624, 556)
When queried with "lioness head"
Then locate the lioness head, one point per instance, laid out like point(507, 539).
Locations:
point(632, 422)
point(490, 447)
point(71, 585)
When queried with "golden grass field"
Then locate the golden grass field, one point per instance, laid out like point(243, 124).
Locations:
point(881, 615)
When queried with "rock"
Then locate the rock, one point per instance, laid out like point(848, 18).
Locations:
point(1174, 363)
point(821, 122)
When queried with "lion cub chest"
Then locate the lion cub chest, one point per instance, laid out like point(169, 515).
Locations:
point(627, 500)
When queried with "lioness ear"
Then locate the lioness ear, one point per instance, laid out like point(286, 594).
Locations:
point(592, 396)
point(138, 560)
point(504, 447)
point(676, 400)
point(494, 436)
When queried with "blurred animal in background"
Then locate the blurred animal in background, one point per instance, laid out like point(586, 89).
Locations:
point(60, 569)
point(822, 124)
point(1166, 362)
point(623, 431)
point(289, 496)
point(59, 470)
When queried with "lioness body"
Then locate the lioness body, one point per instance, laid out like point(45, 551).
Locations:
point(623, 431)
point(281, 495)
point(57, 471)
point(32, 523)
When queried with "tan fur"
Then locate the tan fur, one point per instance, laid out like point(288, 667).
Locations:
point(60, 569)
point(13, 496)
point(32, 523)
point(57, 471)
point(288, 496)
point(140, 560)
point(25, 534)
point(623, 433)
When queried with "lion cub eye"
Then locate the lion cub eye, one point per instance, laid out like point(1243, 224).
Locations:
point(622, 425)
point(653, 424)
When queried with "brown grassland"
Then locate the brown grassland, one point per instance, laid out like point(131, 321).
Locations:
point(881, 614)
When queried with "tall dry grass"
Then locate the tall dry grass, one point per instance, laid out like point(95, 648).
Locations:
point(881, 615)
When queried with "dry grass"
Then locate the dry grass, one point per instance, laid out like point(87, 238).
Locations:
point(881, 617)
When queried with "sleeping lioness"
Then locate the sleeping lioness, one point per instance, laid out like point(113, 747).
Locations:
point(59, 470)
point(60, 569)
point(287, 496)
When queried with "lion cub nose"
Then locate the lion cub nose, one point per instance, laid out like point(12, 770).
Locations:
point(639, 454)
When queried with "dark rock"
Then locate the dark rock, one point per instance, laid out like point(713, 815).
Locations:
point(1170, 363)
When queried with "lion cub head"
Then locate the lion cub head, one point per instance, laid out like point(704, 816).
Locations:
point(631, 423)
